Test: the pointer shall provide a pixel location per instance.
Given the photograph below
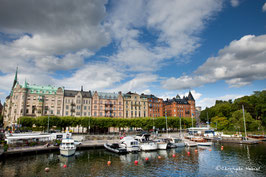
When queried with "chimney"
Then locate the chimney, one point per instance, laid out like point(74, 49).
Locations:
point(82, 88)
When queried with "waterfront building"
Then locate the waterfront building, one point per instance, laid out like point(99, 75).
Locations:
point(77, 103)
point(178, 107)
point(155, 106)
point(135, 105)
point(36, 100)
point(107, 104)
point(32, 100)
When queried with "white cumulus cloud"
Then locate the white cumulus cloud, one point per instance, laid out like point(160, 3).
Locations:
point(264, 7)
point(239, 63)
point(234, 3)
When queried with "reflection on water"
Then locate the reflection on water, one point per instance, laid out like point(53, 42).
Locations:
point(234, 160)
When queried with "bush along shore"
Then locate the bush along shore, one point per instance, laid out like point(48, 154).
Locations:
point(41, 123)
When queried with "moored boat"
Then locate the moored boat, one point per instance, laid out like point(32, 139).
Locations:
point(161, 144)
point(67, 147)
point(177, 142)
point(201, 141)
point(145, 144)
point(116, 148)
point(130, 144)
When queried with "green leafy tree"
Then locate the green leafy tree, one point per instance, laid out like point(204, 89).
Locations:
point(237, 121)
point(222, 123)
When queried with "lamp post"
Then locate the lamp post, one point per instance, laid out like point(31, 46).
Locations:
point(89, 125)
point(179, 125)
point(48, 124)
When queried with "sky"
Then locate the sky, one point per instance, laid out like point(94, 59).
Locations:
point(214, 48)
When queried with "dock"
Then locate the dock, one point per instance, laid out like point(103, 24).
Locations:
point(91, 144)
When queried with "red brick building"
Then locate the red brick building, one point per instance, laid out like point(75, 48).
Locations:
point(178, 107)
point(155, 106)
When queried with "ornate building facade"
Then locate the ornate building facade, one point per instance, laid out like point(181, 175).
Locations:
point(155, 106)
point(34, 101)
point(107, 104)
point(77, 103)
point(135, 105)
point(178, 107)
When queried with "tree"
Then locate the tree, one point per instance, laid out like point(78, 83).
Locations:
point(237, 121)
point(26, 121)
point(222, 123)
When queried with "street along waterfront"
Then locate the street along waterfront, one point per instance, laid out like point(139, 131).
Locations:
point(232, 160)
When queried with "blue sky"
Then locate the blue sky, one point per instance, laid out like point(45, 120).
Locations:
point(215, 48)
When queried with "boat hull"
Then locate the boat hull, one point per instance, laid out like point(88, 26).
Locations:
point(204, 144)
point(67, 152)
point(162, 146)
point(148, 146)
point(179, 144)
point(115, 150)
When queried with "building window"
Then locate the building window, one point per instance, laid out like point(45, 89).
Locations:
point(66, 113)
point(119, 102)
point(85, 113)
point(85, 107)
point(78, 113)
point(58, 112)
point(101, 114)
point(120, 114)
point(95, 113)
point(67, 107)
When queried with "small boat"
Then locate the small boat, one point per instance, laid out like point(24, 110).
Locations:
point(67, 147)
point(116, 148)
point(146, 144)
point(177, 142)
point(161, 144)
point(130, 144)
point(201, 141)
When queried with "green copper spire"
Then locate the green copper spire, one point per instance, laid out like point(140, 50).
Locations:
point(25, 84)
point(15, 79)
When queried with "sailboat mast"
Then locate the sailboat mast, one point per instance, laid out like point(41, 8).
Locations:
point(180, 125)
point(244, 122)
point(166, 122)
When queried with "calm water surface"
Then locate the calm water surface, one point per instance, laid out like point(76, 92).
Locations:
point(234, 160)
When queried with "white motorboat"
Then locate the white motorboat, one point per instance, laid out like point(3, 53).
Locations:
point(130, 144)
point(201, 141)
point(145, 144)
point(177, 142)
point(148, 146)
point(67, 146)
point(161, 144)
point(204, 143)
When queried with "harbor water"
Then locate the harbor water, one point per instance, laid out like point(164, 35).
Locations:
point(233, 160)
